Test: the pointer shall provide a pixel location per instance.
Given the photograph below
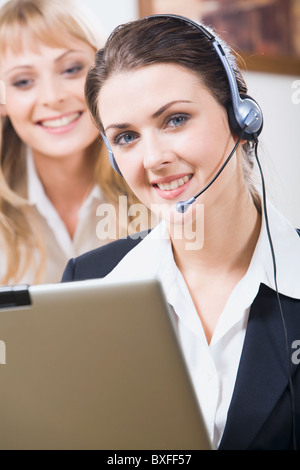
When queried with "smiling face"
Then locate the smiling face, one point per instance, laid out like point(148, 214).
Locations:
point(45, 96)
point(168, 134)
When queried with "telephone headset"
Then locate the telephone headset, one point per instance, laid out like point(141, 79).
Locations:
point(244, 114)
point(245, 119)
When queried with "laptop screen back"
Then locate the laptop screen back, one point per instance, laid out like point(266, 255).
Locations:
point(94, 365)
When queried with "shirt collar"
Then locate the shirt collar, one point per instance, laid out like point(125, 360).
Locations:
point(149, 259)
point(153, 257)
point(286, 244)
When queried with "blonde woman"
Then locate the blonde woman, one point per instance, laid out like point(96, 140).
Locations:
point(58, 195)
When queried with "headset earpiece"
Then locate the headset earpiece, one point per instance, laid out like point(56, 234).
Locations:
point(110, 154)
point(248, 117)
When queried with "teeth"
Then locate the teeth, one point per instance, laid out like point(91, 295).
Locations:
point(61, 122)
point(174, 184)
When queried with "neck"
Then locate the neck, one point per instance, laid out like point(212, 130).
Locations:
point(229, 232)
point(67, 182)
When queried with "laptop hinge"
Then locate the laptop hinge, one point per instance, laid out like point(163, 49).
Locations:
point(14, 296)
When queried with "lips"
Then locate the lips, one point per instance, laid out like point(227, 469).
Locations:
point(63, 121)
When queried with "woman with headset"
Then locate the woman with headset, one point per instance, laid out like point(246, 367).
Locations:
point(170, 102)
point(55, 178)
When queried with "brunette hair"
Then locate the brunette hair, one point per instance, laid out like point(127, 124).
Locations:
point(167, 39)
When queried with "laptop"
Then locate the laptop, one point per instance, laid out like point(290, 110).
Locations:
point(94, 365)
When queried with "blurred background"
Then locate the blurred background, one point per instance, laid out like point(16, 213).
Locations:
point(266, 34)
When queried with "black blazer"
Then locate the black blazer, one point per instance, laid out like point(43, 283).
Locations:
point(259, 415)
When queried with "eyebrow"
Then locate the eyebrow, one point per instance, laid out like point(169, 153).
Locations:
point(166, 106)
point(28, 66)
point(155, 115)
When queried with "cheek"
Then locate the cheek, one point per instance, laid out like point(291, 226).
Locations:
point(19, 112)
point(19, 123)
point(197, 150)
point(208, 149)
point(76, 88)
point(18, 107)
point(133, 176)
point(197, 145)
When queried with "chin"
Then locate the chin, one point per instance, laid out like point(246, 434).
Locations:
point(171, 216)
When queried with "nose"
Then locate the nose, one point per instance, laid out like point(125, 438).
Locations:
point(51, 92)
point(157, 151)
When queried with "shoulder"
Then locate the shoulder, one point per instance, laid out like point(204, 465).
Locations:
point(101, 261)
point(267, 302)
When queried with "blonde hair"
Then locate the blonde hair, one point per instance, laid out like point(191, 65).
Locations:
point(19, 229)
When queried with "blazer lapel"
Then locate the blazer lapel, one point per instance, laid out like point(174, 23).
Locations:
point(262, 374)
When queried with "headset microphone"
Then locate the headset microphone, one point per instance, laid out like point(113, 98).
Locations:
point(182, 206)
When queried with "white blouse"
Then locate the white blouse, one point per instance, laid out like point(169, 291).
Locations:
point(213, 367)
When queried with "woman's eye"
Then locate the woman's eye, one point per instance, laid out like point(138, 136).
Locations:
point(22, 83)
point(74, 70)
point(124, 139)
point(178, 120)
